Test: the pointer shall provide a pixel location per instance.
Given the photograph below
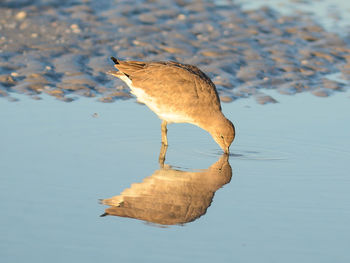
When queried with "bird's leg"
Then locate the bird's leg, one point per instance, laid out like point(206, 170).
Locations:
point(162, 155)
point(164, 133)
point(164, 146)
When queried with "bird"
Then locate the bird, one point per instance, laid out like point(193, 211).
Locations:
point(177, 93)
point(171, 196)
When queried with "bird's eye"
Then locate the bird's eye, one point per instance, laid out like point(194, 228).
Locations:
point(222, 137)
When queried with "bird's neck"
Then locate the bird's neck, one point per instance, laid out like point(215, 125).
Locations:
point(212, 121)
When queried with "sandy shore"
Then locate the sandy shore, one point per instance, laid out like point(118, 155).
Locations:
point(63, 49)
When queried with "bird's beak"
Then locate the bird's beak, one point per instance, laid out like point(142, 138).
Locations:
point(227, 151)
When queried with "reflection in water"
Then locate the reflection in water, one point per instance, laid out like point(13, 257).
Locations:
point(170, 196)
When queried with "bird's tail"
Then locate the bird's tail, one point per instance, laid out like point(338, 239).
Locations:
point(128, 67)
point(116, 61)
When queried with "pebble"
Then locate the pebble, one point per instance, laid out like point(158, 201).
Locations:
point(333, 85)
point(75, 28)
point(249, 73)
point(264, 99)
point(7, 80)
point(321, 92)
point(21, 15)
point(54, 92)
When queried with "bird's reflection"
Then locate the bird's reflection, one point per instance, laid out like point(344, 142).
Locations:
point(171, 196)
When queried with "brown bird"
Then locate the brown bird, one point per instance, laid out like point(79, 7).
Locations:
point(171, 196)
point(177, 93)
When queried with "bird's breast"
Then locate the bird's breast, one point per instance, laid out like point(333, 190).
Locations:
point(167, 112)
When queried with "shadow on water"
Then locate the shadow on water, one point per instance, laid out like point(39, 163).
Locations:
point(171, 196)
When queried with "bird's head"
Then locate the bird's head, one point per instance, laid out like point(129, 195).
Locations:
point(223, 133)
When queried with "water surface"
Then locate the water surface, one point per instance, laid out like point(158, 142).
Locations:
point(287, 201)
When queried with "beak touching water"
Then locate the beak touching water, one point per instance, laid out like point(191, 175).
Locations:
point(227, 150)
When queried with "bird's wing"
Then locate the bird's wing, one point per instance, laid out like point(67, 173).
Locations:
point(180, 82)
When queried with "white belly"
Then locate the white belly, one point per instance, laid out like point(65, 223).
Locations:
point(164, 112)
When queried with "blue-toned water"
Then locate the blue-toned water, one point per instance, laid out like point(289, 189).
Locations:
point(288, 199)
point(283, 194)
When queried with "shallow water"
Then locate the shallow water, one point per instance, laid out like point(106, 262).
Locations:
point(332, 14)
point(283, 195)
point(287, 201)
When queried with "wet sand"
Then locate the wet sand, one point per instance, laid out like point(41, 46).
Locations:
point(63, 48)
